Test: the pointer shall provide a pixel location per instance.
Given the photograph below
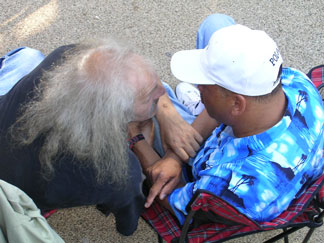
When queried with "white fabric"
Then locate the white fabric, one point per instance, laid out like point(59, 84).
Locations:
point(237, 58)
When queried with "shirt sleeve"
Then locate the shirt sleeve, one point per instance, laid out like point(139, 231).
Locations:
point(179, 199)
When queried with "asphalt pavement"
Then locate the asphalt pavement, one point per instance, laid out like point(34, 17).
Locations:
point(157, 28)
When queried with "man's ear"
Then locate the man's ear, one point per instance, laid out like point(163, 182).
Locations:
point(239, 104)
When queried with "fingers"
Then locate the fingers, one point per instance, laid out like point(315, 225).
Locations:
point(161, 188)
point(164, 174)
point(198, 137)
point(195, 145)
point(190, 151)
point(183, 155)
point(192, 148)
point(187, 150)
point(188, 147)
point(169, 187)
point(154, 191)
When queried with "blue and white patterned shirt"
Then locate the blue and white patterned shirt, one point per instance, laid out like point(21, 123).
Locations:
point(261, 174)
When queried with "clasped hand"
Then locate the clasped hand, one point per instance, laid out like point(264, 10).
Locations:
point(165, 176)
point(180, 136)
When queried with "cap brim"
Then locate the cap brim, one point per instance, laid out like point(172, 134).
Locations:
point(186, 66)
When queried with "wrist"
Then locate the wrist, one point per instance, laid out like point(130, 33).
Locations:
point(135, 139)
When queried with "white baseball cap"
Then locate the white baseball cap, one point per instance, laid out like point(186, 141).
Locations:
point(239, 59)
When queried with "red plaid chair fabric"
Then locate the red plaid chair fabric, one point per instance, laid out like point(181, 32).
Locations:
point(47, 214)
point(303, 211)
point(316, 74)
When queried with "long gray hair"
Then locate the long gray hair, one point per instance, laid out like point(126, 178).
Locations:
point(82, 108)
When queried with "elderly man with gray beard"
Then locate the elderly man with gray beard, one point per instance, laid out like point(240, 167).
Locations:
point(63, 129)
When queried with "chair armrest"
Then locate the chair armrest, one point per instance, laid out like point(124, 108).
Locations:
point(218, 210)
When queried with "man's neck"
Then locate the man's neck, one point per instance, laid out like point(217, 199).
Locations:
point(261, 116)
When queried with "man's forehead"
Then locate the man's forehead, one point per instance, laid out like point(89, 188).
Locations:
point(148, 88)
point(144, 81)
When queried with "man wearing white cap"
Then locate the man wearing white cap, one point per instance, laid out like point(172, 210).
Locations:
point(269, 144)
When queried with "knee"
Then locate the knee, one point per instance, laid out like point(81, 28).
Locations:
point(218, 20)
point(210, 25)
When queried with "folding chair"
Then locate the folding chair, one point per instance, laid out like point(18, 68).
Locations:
point(316, 74)
point(226, 222)
point(214, 220)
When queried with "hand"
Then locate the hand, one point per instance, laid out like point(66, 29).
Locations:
point(180, 136)
point(165, 175)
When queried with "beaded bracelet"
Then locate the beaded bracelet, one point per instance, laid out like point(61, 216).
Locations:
point(132, 141)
